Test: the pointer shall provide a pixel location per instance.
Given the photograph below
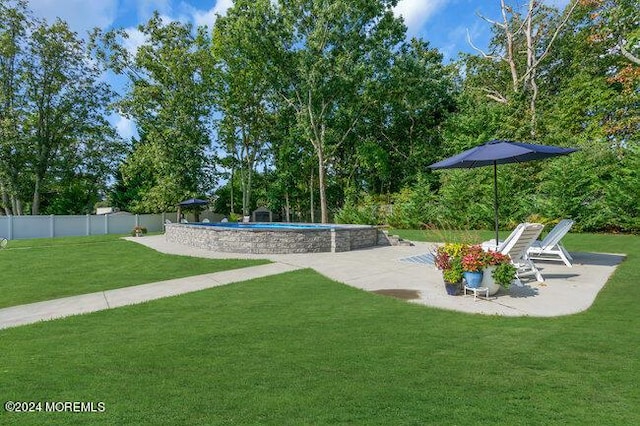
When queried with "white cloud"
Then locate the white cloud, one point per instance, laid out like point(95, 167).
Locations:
point(208, 17)
point(417, 12)
point(135, 40)
point(126, 128)
point(81, 15)
point(204, 18)
point(222, 6)
point(147, 7)
point(166, 19)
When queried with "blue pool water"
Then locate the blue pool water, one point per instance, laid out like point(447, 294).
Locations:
point(240, 225)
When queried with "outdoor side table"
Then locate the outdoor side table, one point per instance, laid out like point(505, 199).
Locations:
point(477, 291)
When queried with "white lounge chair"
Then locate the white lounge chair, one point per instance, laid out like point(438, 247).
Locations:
point(550, 247)
point(516, 246)
point(491, 244)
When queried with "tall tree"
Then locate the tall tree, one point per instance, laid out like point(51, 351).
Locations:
point(66, 105)
point(583, 102)
point(403, 135)
point(521, 43)
point(14, 21)
point(245, 80)
point(617, 25)
point(327, 62)
point(52, 111)
point(290, 188)
point(169, 98)
point(613, 27)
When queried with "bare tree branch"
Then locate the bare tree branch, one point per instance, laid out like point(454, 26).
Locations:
point(510, 57)
point(484, 54)
point(495, 95)
point(556, 32)
point(536, 61)
point(491, 21)
point(630, 56)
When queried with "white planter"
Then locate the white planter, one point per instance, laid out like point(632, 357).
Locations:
point(488, 281)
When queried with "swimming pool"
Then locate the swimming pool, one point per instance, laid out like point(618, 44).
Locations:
point(267, 225)
point(274, 238)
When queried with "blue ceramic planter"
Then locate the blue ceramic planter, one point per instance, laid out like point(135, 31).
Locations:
point(473, 279)
point(453, 289)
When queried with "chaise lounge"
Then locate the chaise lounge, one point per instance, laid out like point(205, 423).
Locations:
point(550, 247)
point(516, 246)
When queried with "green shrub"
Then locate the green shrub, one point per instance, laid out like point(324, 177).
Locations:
point(365, 212)
point(415, 207)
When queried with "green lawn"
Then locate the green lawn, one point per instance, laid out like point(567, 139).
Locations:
point(301, 349)
point(43, 269)
point(604, 243)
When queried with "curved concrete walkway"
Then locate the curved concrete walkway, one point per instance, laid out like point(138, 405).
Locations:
point(92, 302)
point(565, 290)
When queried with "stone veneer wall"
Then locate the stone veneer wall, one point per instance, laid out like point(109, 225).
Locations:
point(270, 241)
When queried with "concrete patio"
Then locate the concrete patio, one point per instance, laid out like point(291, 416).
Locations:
point(565, 290)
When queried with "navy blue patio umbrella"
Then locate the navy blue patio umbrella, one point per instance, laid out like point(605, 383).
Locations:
point(192, 203)
point(499, 152)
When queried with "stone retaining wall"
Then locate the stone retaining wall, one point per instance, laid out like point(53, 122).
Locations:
point(274, 241)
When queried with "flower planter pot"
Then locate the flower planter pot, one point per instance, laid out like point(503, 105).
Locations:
point(473, 279)
point(453, 289)
point(488, 281)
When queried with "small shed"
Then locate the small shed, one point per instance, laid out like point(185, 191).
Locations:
point(262, 214)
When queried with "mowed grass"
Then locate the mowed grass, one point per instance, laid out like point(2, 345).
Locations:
point(43, 269)
point(603, 243)
point(300, 349)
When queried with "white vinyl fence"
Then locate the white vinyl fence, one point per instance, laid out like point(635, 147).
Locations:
point(21, 227)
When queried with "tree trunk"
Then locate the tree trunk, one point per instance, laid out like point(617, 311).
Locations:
point(536, 51)
point(17, 205)
point(246, 191)
point(287, 207)
point(231, 190)
point(311, 206)
point(530, 76)
point(629, 55)
point(249, 183)
point(510, 50)
point(35, 207)
point(324, 216)
point(534, 97)
point(6, 202)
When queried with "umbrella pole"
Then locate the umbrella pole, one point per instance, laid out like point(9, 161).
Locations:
point(495, 198)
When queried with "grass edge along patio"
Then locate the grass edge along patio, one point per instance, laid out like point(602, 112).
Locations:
point(298, 348)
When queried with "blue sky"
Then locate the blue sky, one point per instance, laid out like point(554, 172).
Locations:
point(444, 23)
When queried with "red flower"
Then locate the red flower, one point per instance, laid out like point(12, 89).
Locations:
point(474, 259)
point(493, 258)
